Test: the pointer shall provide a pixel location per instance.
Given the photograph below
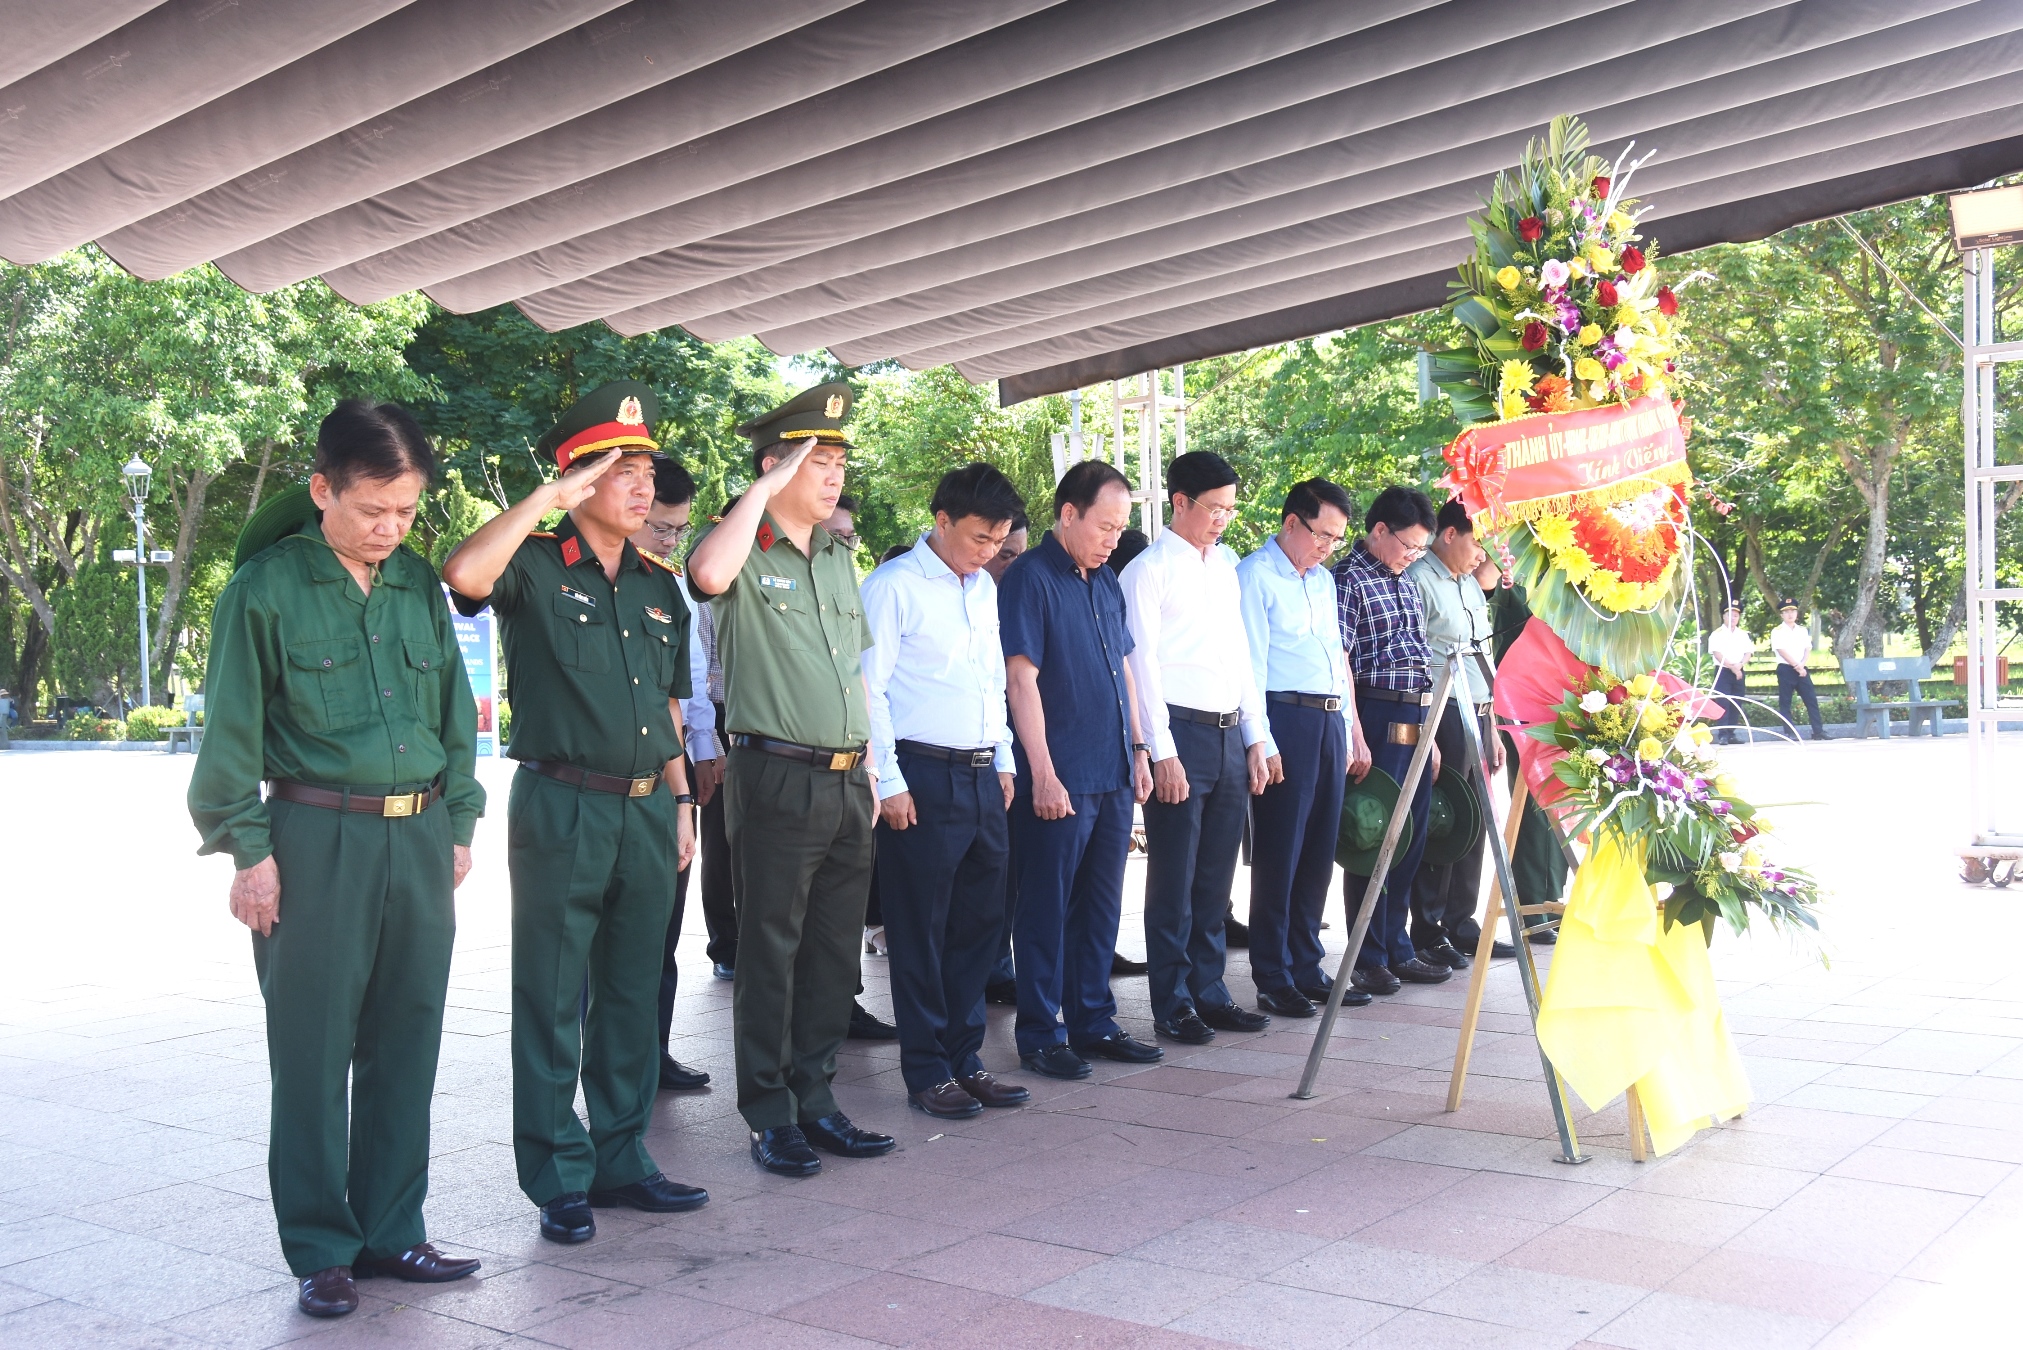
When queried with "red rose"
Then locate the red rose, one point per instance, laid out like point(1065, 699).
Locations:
point(1633, 260)
point(1601, 187)
point(1605, 294)
point(1619, 694)
point(1744, 831)
point(1668, 303)
point(1534, 336)
point(1531, 229)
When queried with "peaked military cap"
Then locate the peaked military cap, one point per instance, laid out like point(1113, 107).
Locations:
point(817, 412)
point(615, 416)
point(279, 516)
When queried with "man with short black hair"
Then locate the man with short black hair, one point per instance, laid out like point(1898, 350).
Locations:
point(334, 682)
point(1730, 648)
point(1295, 649)
point(1081, 766)
point(1384, 634)
point(1452, 578)
point(935, 675)
point(1792, 642)
point(1200, 710)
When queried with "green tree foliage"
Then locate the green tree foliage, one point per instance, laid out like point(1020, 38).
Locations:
point(95, 651)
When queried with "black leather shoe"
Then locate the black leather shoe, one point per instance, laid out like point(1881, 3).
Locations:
point(1375, 980)
point(1235, 932)
point(567, 1218)
point(654, 1194)
point(722, 971)
point(330, 1292)
point(1119, 1046)
point(1229, 1017)
point(1445, 954)
point(1421, 971)
point(1543, 937)
point(1003, 993)
point(990, 1092)
point(1499, 950)
point(865, 1027)
point(1056, 1061)
point(1121, 964)
point(1285, 1002)
point(946, 1101)
point(419, 1264)
point(783, 1150)
point(1187, 1028)
point(1352, 997)
point(678, 1077)
point(834, 1133)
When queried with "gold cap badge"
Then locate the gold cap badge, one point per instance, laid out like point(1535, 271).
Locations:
point(630, 414)
point(835, 406)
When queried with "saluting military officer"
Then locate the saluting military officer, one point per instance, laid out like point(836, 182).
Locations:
point(798, 796)
point(596, 638)
point(334, 679)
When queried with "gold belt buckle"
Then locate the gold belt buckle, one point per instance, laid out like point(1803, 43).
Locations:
point(842, 761)
point(1403, 733)
point(406, 804)
point(643, 787)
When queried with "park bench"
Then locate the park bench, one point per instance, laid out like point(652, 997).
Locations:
point(189, 733)
point(1904, 670)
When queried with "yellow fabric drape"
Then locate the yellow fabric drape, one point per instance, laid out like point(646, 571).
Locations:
point(1629, 1002)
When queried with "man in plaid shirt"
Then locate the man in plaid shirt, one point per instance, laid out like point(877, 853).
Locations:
point(1384, 633)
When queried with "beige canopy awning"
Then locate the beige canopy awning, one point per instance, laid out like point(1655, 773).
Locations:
point(1048, 194)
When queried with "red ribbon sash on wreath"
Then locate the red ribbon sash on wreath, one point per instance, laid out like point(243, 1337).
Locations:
point(1505, 471)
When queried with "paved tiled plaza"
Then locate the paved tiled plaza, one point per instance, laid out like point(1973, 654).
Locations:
point(1869, 1198)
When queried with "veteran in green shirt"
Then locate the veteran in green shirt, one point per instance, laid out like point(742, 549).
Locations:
point(799, 800)
point(334, 680)
point(599, 819)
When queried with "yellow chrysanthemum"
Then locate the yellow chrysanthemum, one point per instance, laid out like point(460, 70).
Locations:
point(1575, 562)
point(1509, 278)
point(1648, 748)
point(1554, 532)
point(1516, 377)
point(1513, 405)
point(1589, 335)
point(1588, 369)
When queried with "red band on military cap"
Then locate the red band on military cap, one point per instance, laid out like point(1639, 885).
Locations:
point(603, 436)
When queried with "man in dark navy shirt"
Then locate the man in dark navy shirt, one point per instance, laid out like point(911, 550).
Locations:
point(1081, 768)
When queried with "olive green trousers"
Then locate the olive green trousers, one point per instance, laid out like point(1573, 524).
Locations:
point(593, 884)
point(801, 849)
point(354, 976)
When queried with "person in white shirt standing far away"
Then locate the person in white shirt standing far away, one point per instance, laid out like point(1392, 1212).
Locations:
point(1200, 709)
point(1792, 642)
point(1729, 647)
point(935, 676)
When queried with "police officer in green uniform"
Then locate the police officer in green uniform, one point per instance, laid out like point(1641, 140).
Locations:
point(334, 679)
point(799, 797)
point(598, 823)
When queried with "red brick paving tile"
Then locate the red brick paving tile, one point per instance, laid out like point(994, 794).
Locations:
point(1594, 1254)
point(892, 1308)
point(1440, 1227)
point(1522, 1197)
point(999, 1264)
point(1189, 1082)
point(1779, 1284)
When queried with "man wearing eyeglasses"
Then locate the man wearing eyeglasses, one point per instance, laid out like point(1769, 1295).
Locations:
point(1199, 707)
point(1384, 633)
point(1295, 648)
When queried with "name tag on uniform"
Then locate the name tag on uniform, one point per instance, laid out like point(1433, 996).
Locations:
point(579, 597)
point(778, 583)
point(659, 615)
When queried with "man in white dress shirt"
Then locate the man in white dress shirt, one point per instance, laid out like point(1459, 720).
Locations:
point(1200, 710)
point(1729, 647)
point(935, 677)
point(1792, 641)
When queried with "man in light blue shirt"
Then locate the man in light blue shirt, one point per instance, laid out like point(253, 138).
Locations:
point(1289, 616)
point(936, 683)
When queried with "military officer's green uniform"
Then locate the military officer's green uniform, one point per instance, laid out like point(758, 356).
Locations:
point(590, 831)
point(362, 701)
point(790, 629)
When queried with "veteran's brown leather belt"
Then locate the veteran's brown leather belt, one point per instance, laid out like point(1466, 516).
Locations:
point(1422, 698)
point(1221, 720)
point(641, 786)
point(343, 799)
point(842, 761)
point(1325, 702)
point(975, 759)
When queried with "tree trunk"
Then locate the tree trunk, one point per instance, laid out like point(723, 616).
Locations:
point(189, 515)
point(29, 672)
point(260, 478)
point(1826, 549)
point(1752, 553)
point(1871, 474)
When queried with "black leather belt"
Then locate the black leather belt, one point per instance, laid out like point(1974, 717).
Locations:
point(622, 786)
point(842, 761)
point(1206, 719)
point(1422, 698)
point(975, 759)
point(1325, 702)
point(395, 805)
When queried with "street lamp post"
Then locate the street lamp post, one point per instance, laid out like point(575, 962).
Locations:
point(136, 473)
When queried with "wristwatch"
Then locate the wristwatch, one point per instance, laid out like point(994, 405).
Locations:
point(1136, 746)
point(684, 799)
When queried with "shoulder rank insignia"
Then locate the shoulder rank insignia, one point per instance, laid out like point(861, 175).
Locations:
point(540, 534)
point(572, 551)
point(765, 535)
point(662, 563)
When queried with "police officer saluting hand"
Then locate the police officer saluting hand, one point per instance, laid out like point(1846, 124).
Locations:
point(334, 678)
point(596, 638)
point(798, 796)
